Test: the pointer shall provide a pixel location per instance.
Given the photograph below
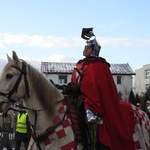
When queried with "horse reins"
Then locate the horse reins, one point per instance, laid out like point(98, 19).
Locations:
point(16, 85)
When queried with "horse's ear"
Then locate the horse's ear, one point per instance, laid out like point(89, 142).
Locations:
point(9, 59)
point(15, 58)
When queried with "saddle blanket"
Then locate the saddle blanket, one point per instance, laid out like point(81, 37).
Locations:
point(142, 129)
point(62, 138)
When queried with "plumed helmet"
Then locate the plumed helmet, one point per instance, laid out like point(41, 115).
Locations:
point(87, 34)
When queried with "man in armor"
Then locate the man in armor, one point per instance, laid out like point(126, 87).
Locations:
point(100, 98)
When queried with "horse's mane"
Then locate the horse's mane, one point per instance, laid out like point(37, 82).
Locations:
point(46, 92)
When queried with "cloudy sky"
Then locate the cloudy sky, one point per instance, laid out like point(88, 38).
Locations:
point(46, 30)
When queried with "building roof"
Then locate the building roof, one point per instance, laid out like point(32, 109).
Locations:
point(60, 67)
point(57, 67)
point(121, 69)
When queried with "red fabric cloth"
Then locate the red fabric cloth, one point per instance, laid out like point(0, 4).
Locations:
point(100, 96)
point(128, 114)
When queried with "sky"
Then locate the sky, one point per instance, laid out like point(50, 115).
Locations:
point(47, 30)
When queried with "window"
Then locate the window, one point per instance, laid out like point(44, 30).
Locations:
point(62, 79)
point(147, 73)
point(118, 79)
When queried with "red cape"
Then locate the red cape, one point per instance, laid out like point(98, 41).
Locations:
point(100, 95)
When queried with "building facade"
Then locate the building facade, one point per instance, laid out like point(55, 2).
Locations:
point(142, 79)
point(60, 73)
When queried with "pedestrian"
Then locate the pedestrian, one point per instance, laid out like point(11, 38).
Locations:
point(148, 108)
point(138, 105)
point(7, 127)
point(92, 84)
point(23, 130)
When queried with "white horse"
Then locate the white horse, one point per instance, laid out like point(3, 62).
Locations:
point(46, 106)
point(49, 111)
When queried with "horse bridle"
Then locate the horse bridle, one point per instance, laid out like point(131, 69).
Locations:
point(16, 85)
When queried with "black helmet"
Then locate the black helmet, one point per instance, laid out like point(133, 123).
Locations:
point(87, 34)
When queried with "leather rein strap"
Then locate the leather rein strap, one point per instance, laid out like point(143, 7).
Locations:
point(47, 132)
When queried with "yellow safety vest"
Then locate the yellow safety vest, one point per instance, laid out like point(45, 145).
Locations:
point(22, 123)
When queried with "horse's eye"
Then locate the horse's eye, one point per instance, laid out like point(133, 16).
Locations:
point(9, 76)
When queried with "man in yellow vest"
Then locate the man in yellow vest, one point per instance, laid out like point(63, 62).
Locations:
point(23, 130)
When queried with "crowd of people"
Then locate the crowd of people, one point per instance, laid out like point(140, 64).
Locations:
point(15, 129)
point(146, 108)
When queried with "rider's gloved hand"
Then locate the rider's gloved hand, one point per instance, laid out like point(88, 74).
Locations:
point(89, 115)
point(91, 118)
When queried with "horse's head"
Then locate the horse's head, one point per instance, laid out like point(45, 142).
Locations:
point(12, 82)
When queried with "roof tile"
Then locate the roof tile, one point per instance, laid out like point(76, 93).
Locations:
point(61, 67)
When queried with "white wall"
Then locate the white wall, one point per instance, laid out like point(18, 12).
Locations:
point(55, 77)
point(140, 80)
point(125, 87)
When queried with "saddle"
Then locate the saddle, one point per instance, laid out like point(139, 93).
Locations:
point(86, 133)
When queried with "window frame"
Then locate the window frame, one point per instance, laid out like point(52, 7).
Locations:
point(119, 79)
point(147, 73)
point(62, 79)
